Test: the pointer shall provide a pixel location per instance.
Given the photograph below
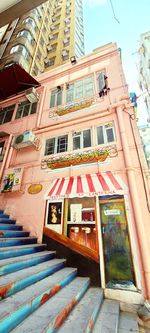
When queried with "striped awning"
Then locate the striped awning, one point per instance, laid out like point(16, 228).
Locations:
point(86, 185)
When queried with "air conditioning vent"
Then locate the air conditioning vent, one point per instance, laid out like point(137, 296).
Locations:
point(23, 140)
point(32, 95)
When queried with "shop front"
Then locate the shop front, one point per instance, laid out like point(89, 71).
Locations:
point(90, 210)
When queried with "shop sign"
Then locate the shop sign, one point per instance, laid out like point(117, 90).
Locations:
point(112, 212)
point(12, 180)
point(35, 188)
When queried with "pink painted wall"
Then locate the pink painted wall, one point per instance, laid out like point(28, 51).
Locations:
point(28, 209)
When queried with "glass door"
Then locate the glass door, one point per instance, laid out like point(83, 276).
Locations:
point(117, 256)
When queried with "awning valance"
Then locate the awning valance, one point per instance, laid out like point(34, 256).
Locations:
point(14, 80)
point(86, 185)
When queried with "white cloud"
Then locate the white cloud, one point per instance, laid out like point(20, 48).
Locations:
point(93, 3)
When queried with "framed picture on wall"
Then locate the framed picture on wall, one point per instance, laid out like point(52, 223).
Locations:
point(54, 213)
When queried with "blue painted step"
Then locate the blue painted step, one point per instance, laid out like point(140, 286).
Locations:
point(16, 308)
point(17, 241)
point(84, 315)
point(1, 211)
point(7, 220)
point(14, 264)
point(13, 234)
point(14, 282)
point(10, 227)
point(9, 252)
point(4, 216)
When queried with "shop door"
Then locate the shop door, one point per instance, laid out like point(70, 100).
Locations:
point(117, 255)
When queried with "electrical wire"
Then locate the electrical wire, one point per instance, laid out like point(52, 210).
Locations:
point(113, 11)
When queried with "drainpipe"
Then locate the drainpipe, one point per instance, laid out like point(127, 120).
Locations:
point(140, 232)
point(5, 156)
point(42, 92)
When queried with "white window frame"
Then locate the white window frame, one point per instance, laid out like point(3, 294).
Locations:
point(56, 145)
point(105, 133)
point(74, 134)
point(56, 92)
point(84, 96)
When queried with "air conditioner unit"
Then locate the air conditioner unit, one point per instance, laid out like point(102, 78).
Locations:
point(32, 95)
point(49, 48)
point(23, 140)
point(46, 60)
point(64, 53)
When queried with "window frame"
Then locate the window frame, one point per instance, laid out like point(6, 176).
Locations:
point(105, 133)
point(6, 110)
point(55, 146)
point(23, 104)
point(55, 92)
point(84, 91)
point(81, 135)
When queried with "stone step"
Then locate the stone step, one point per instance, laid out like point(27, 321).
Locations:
point(52, 314)
point(2, 215)
point(83, 317)
point(14, 309)
point(128, 323)
point(10, 227)
point(108, 318)
point(17, 241)
point(14, 282)
point(14, 264)
point(9, 252)
point(7, 220)
point(13, 234)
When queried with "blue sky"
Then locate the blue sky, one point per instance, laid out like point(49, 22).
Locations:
point(100, 28)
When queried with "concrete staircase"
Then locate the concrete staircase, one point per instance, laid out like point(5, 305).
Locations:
point(40, 294)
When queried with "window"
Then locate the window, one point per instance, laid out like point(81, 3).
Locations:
point(82, 139)
point(1, 147)
point(50, 62)
point(9, 64)
point(21, 49)
point(105, 133)
point(6, 114)
point(25, 109)
point(56, 145)
point(80, 89)
point(31, 21)
point(56, 97)
point(26, 34)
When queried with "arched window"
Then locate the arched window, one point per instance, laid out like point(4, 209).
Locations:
point(20, 49)
point(25, 33)
point(31, 21)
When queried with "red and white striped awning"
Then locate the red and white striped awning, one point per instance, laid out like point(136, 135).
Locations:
point(86, 185)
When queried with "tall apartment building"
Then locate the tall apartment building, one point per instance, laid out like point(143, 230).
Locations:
point(144, 68)
point(45, 37)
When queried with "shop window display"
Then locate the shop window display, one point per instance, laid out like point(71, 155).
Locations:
point(81, 226)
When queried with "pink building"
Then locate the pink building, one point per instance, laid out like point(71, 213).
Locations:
point(72, 164)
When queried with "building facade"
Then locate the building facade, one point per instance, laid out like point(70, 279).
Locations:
point(72, 164)
point(45, 37)
point(144, 131)
point(144, 69)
